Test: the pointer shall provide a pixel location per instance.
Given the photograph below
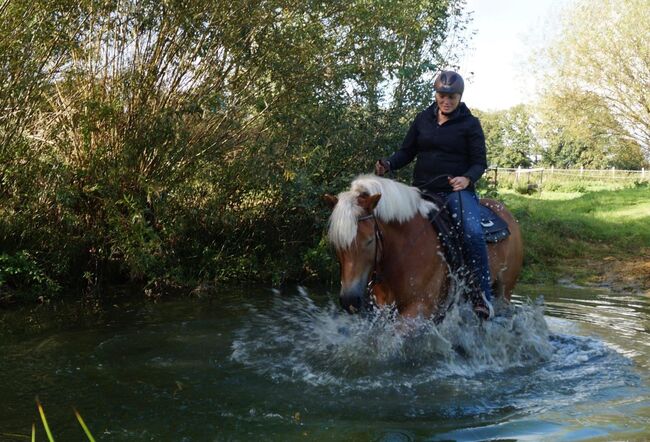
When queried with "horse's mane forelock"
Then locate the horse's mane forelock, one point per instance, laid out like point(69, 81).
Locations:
point(398, 203)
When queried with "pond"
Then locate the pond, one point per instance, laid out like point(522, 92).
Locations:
point(561, 363)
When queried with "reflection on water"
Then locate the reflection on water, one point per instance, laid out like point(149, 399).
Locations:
point(251, 365)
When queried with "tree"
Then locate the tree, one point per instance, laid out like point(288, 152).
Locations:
point(599, 67)
point(187, 140)
point(509, 136)
point(583, 133)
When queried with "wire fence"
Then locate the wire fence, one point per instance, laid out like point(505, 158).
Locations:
point(553, 179)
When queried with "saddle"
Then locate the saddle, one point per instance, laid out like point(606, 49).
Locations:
point(495, 229)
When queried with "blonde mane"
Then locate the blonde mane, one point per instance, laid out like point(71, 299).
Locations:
point(398, 203)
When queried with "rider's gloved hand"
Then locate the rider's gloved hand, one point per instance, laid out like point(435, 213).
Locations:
point(381, 167)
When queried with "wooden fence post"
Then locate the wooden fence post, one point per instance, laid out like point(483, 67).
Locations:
point(517, 175)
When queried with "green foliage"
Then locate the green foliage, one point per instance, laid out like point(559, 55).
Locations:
point(587, 136)
point(509, 136)
point(21, 273)
point(595, 77)
point(549, 134)
point(172, 143)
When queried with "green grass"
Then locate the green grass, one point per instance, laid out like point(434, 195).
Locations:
point(46, 426)
point(560, 228)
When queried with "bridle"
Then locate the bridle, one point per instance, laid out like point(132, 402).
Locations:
point(375, 278)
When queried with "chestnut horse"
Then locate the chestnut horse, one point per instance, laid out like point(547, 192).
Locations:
point(385, 244)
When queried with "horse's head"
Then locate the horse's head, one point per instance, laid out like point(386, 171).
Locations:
point(355, 236)
point(359, 217)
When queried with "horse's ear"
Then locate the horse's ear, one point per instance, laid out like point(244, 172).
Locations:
point(331, 200)
point(373, 200)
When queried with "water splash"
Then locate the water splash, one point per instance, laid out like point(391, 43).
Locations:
point(321, 346)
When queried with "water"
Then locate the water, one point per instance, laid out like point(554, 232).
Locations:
point(261, 365)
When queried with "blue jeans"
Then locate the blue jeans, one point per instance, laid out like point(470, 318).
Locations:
point(466, 216)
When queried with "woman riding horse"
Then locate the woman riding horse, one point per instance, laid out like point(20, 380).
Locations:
point(449, 146)
point(390, 254)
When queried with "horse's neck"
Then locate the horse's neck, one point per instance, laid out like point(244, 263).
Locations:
point(412, 264)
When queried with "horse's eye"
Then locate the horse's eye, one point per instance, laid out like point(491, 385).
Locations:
point(370, 241)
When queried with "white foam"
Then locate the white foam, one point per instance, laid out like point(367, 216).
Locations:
point(320, 345)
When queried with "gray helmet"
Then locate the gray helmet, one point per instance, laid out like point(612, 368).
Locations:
point(449, 82)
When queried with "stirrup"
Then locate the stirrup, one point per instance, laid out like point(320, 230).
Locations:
point(484, 308)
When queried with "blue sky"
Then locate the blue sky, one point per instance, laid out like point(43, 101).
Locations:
point(496, 63)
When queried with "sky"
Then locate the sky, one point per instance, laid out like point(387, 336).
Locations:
point(496, 64)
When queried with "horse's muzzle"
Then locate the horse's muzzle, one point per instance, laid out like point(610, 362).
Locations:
point(353, 299)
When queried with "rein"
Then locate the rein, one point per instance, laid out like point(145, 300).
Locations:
point(379, 242)
point(375, 277)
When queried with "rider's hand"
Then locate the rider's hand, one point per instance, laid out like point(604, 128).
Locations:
point(381, 167)
point(459, 183)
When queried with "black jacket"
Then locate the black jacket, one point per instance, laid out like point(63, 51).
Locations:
point(455, 148)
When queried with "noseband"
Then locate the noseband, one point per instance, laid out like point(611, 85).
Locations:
point(379, 242)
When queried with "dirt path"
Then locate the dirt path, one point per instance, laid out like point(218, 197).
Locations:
point(622, 274)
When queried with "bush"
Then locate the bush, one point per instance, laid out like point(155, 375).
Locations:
point(172, 143)
point(21, 275)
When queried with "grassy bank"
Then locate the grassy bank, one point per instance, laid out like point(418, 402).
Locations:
point(583, 236)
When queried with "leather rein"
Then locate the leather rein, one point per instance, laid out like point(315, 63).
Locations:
point(375, 278)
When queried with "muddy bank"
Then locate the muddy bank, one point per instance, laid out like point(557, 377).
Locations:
point(620, 274)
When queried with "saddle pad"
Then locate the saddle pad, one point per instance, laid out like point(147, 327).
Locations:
point(494, 228)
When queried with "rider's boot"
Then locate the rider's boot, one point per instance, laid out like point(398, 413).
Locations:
point(483, 307)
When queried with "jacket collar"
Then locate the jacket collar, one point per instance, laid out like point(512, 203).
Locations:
point(461, 111)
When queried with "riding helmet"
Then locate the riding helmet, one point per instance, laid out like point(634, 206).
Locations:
point(449, 82)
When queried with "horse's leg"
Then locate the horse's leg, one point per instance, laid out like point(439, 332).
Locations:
point(498, 288)
point(415, 310)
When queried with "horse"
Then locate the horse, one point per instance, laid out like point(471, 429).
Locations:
point(387, 248)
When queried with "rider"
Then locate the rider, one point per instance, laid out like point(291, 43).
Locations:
point(449, 145)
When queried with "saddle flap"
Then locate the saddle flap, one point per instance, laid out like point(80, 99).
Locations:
point(495, 229)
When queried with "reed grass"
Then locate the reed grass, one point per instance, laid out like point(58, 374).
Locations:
point(84, 426)
point(46, 426)
point(41, 412)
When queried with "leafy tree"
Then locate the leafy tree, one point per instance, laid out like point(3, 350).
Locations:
point(509, 136)
point(174, 142)
point(598, 70)
point(583, 135)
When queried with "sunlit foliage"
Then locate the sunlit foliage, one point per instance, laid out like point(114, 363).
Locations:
point(179, 142)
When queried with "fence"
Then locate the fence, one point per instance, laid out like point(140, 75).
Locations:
point(548, 178)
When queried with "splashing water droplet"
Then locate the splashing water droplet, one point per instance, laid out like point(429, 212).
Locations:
point(322, 346)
